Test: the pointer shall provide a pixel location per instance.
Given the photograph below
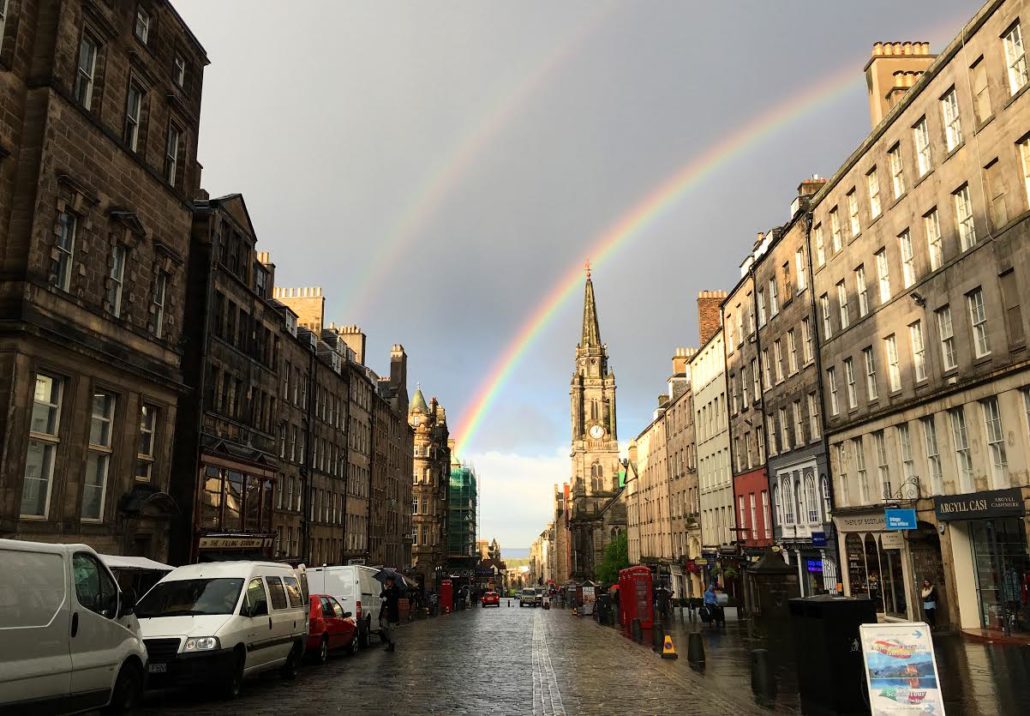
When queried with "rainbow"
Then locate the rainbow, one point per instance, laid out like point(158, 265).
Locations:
point(457, 161)
point(645, 214)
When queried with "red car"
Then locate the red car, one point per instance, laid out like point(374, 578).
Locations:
point(331, 628)
point(491, 598)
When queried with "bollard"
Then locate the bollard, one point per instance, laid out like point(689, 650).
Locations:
point(695, 648)
point(638, 634)
point(763, 680)
point(658, 637)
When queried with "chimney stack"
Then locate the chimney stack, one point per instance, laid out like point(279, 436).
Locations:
point(355, 340)
point(709, 313)
point(893, 68)
point(681, 360)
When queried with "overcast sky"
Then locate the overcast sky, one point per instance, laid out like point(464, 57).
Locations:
point(438, 166)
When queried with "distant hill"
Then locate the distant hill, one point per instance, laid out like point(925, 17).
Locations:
point(514, 553)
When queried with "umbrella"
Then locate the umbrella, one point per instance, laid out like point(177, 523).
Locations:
point(386, 573)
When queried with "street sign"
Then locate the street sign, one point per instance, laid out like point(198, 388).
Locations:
point(900, 668)
point(818, 539)
point(898, 518)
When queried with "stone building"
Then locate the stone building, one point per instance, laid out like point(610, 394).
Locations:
point(926, 377)
point(684, 495)
point(98, 138)
point(595, 515)
point(430, 483)
point(711, 428)
point(392, 464)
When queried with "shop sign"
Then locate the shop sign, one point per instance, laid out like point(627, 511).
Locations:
point(892, 540)
point(815, 566)
point(899, 518)
point(980, 505)
point(869, 522)
point(234, 542)
point(901, 669)
point(818, 539)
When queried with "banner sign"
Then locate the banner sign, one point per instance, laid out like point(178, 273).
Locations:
point(901, 669)
point(898, 518)
point(978, 505)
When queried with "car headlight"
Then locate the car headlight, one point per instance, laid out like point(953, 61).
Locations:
point(201, 643)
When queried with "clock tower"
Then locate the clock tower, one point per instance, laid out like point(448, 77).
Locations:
point(595, 445)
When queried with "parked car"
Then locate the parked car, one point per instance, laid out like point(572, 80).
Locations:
point(221, 622)
point(331, 628)
point(356, 588)
point(529, 598)
point(69, 640)
point(491, 599)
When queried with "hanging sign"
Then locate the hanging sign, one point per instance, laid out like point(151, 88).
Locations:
point(901, 669)
point(898, 518)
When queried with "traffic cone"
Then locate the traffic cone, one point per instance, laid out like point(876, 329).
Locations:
point(668, 650)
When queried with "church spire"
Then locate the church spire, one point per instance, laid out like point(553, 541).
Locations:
point(591, 333)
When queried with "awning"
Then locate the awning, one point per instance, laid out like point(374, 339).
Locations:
point(138, 563)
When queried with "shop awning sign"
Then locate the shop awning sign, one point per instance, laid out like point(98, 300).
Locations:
point(900, 518)
point(980, 505)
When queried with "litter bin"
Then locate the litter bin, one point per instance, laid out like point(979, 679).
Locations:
point(831, 675)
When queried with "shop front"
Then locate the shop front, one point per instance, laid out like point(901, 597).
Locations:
point(875, 563)
point(234, 515)
point(990, 563)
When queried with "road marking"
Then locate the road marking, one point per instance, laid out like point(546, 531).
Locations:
point(547, 699)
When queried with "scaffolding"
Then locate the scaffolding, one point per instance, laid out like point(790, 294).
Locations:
point(462, 513)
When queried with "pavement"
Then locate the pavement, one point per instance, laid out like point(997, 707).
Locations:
point(484, 661)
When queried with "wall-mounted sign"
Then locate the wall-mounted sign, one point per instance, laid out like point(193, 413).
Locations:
point(815, 566)
point(892, 540)
point(978, 505)
point(818, 539)
point(900, 669)
point(868, 522)
point(225, 542)
point(900, 518)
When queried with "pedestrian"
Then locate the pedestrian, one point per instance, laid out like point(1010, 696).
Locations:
point(389, 612)
point(711, 606)
point(929, 593)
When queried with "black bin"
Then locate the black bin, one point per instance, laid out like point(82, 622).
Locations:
point(831, 675)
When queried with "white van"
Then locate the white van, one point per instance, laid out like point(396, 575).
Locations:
point(356, 588)
point(221, 622)
point(68, 641)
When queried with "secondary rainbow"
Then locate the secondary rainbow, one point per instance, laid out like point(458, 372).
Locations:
point(639, 219)
point(439, 183)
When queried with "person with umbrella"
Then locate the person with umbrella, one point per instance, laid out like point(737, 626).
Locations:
point(389, 612)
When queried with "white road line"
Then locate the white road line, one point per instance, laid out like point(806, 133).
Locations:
point(547, 699)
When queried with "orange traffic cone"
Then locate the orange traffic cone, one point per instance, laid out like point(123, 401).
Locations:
point(668, 650)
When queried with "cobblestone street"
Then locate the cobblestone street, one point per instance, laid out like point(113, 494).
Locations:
point(493, 661)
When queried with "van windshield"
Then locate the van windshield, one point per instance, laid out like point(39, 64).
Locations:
point(188, 597)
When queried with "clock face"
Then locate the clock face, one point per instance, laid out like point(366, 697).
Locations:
point(597, 432)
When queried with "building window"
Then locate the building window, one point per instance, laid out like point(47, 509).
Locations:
point(778, 359)
point(761, 309)
point(766, 370)
point(754, 379)
point(963, 458)
point(116, 280)
point(915, 334)
point(995, 442)
point(964, 217)
point(995, 190)
point(1015, 58)
point(788, 501)
point(765, 515)
point(932, 224)
point(947, 335)
point(952, 121)
point(862, 291)
point(799, 267)
point(981, 95)
point(870, 373)
point(893, 366)
point(842, 305)
point(824, 305)
point(813, 417)
point(908, 269)
point(897, 171)
point(849, 378)
point(179, 71)
point(908, 465)
point(98, 456)
point(873, 186)
point(933, 455)
point(42, 448)
point(85, 77)
point(820, 252)
point(785, 441)
point(172, 154)
point(147, 436)
point(3, 21)
point(799, 425)
point(883, 276)
point(921, 136)
point(835, 238)
point(142, 27)
point(133, 112)
point(792, 352)
point(1013, 311)
point(806, 340)
point(863, 478)
point(853, 222)
point(774, 302)
point(67, 227)
point(158, 301)
point(774, 435)
point(842, 472)
point(831, 381)
point(978, 319)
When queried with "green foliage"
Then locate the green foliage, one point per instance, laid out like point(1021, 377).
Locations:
point(616, 557)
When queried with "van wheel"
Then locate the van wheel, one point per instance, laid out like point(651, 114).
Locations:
point(128, 691)
point(234, 679)
point(323, 650)
point(353, 648)
point(363, 633)
point(291, 667)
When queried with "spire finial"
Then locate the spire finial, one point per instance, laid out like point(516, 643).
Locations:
point(587, 266)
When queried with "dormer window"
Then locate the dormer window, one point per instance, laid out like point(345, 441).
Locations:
point(142, 27)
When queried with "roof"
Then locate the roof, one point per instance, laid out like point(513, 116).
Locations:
point(114, 561)
point(418, 403)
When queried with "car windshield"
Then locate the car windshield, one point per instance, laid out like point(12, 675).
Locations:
point(188, 597)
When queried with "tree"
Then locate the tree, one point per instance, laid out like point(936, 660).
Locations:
point(616, 557)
